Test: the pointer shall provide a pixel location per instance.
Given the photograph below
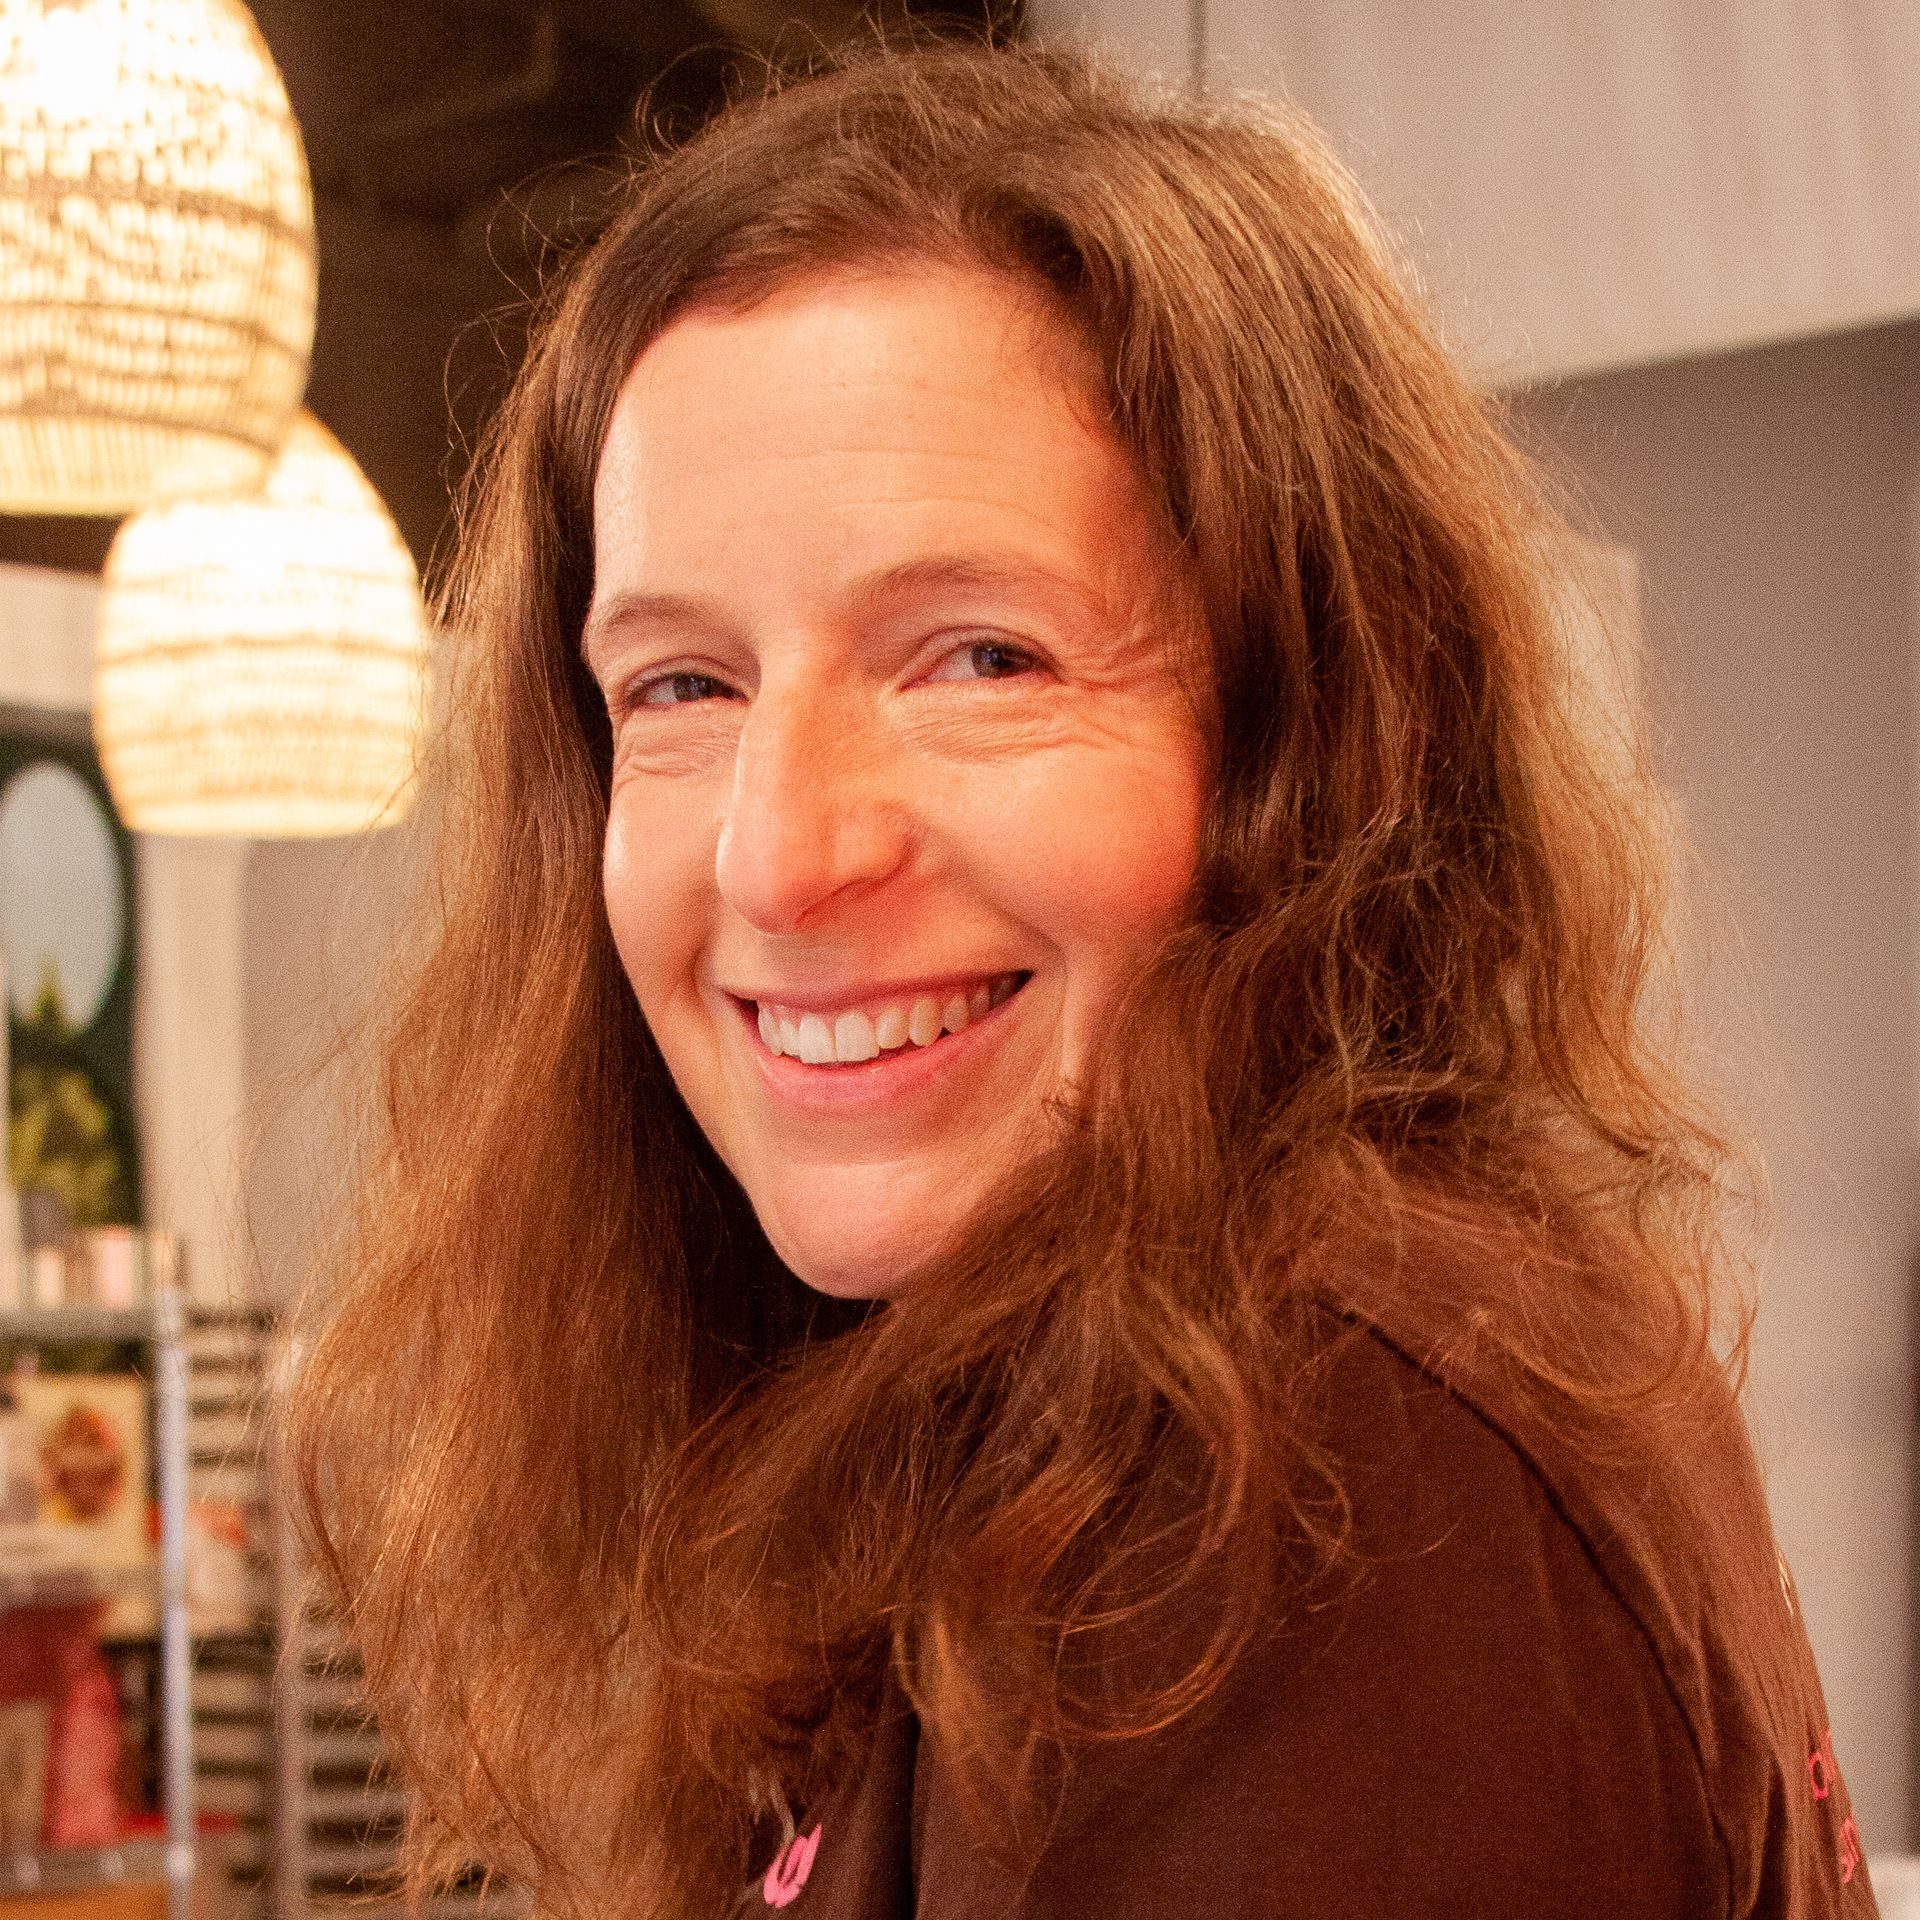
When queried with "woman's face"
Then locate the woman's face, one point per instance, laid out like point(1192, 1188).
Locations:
point(905, 781)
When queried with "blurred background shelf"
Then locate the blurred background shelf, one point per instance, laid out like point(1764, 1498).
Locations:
point(63, 1586)
point(213, 1627)
point(39, 1326)
point(74, 1869)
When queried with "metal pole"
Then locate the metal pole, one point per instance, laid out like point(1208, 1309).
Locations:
point(176, 1646)
point(290, 1769)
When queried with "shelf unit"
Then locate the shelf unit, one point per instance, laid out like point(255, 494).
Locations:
point(159, 1326)
point(69, 1869)
point(267, 1726)
point(339, 1810)
point(66, 1586)
point(234, 1667)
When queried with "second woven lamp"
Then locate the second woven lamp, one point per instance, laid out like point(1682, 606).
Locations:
point(261, 668)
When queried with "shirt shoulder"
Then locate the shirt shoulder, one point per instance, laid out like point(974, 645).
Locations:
point(1550, 1680)
point(1599, 1632)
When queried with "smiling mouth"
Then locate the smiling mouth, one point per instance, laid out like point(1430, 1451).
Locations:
point(872, 1030)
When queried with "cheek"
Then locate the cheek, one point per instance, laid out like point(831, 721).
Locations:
point(1103, 867)
point(655, 870)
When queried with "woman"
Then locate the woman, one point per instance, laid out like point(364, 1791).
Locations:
point(1026, 1255)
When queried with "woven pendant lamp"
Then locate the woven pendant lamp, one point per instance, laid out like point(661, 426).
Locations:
point(157, 270)
point(261, 664)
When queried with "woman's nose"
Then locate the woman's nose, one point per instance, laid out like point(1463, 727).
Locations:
point(814, 818)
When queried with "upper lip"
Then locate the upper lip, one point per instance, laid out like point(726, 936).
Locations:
point(861, 993)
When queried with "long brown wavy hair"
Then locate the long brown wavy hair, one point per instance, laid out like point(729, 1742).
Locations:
point(629, 1528)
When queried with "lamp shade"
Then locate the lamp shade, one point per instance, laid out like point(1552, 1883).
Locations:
point(157, 269)
point(261, 665)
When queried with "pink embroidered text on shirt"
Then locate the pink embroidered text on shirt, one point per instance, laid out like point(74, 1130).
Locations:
point(788, 1874)
point(1849, 1850)
point(1822, 1773)
point(1820, 1765)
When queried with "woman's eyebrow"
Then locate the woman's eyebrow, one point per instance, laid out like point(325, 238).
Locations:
point(633, 608)
point(976, 573)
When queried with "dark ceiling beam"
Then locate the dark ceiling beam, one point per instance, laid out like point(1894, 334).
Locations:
point(651, 32)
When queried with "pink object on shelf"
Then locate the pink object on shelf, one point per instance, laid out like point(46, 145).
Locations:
point(113, 1256)
point(47, 1267)
point(44, 1649)
point(83, 1762)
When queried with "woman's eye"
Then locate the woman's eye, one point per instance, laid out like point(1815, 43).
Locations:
point(678, 689)
point(984, 660)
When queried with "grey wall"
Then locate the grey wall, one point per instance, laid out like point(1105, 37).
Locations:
point(1762, 158)
point(319, 926)
point(1772, 497)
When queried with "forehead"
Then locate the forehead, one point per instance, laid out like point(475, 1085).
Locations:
point(926, 339)
point(868, 418)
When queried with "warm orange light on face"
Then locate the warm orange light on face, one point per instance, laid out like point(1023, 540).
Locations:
point(905, 784)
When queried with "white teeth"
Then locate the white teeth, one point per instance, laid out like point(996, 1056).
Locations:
point(853, 1038)
point(864, 1033)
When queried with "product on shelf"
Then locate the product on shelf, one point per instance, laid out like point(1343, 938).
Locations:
point(220, 1584)
point(83, 1761)
point(115, 1267)
point(60, 1745)
point(24, 1728)
point(89, 1432)
point(19, 1462)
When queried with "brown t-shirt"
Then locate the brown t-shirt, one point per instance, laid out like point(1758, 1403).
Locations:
point(1554, 1688)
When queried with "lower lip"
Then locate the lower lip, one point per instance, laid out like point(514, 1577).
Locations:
point(867, 1085)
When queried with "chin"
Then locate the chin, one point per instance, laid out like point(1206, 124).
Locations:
point(861, 1231)
point(847, 1273)
point(868, 1266)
